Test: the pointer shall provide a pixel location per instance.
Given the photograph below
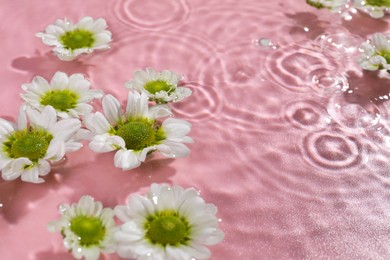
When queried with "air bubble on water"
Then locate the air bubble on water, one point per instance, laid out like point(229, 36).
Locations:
point(264, 42)
point(62, 208)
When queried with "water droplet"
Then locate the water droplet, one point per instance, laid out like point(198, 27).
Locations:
point(155, 199)
point(60, 162)
point(264, 42)
point(62, 208)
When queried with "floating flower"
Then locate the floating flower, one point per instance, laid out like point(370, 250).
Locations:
point(68, 95)
point(375, 8)
point(28, 148)
point(167, 223)
point(71, 40)
point(86, 227)
point(161, 87)
point(376, 53)
point(136, 133)
point(333, 5)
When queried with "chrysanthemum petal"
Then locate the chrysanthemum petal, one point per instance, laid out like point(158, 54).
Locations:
point(106, 143)
point(112, 109)
point(173, 149)
point(126, 159)
point(15, 168)
point(56, 150)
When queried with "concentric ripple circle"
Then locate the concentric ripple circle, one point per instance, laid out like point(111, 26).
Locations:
point(302, 68)
point(205, 103)
point(352, 114)
point(332, 150)
point(151, 15)
point(307, 115)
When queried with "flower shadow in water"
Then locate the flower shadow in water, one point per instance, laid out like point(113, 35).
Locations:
point(19, 197)
point(367, 88)
point(49, 254)
point(103, 178)
point(362, 24)
point(45, 64)
point(307, 26)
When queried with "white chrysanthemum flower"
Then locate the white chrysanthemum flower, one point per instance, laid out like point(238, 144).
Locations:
point(35, 141)
point(333, 5)
point(376, 53)
point(71, 40)
point(135, 133)
point(168, 223)
point(161, 87)
point(375, 8)
point(68, 95)
point(86, 227)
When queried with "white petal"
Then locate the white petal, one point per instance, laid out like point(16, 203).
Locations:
point(66, 128)
point(22, 118)
point(31, 175)
point(159, 111)
point(106, 143)
point(97, 123)
point(72, 146)
point(112, 109)
point(126, 160)
point(43, 119)
point(176, 128)
point(91, 253)
point(15, 168)
point(5, 127)
point(56, 150)
point(172, 149)
point(59, 81)
point(137, 104)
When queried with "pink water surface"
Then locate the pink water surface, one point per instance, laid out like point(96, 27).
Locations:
point(292, 139)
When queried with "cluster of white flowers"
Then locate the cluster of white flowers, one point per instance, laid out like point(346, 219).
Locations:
point(375, 53)
point(374, 8)
point(333, 5)
point(51, 124)
point(168, 223)
point(57, 114)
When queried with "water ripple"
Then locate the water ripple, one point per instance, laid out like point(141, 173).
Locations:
point(205, 103)
point(151, 15)
point(332, 151)
point(307, 114)
point(302, 68)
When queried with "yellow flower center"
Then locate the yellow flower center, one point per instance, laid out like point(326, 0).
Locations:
point(89, 229)
point(384, 3)
point(140, 133)
point(158, 85)
point(62, 100)
point(167, 228)
point(77, 39)
point(31, 144)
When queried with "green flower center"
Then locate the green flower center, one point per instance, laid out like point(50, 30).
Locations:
point(386, 55)
point(90, 230)
point(31, 144)
point(167, 228)
point(139, 134)
point(315, 4)
point(62, 100)
point(155, 86)
point(77, 39)
point(384, 3)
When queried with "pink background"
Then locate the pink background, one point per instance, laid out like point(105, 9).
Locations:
point(291, 139)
